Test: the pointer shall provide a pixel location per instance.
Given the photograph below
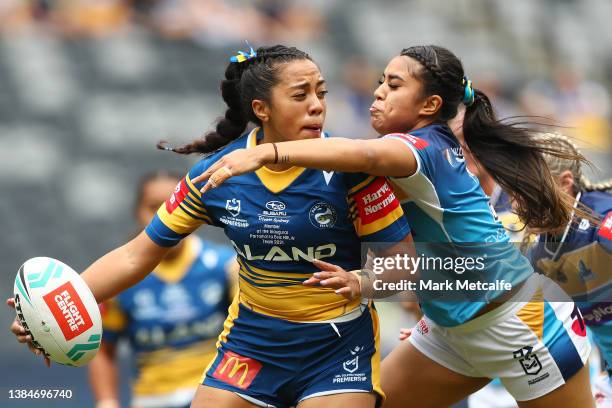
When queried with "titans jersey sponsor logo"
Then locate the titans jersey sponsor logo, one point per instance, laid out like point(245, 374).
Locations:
point(278, 254)
point(322, 215)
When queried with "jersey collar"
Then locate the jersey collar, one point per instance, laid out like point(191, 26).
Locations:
point(275, 181)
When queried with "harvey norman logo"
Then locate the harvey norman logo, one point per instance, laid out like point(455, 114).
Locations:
point(237, 370)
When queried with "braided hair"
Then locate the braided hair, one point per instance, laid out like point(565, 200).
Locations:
point(558, 165)
point(244, 82)
point(508, 151)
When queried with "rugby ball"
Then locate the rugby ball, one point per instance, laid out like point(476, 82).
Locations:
point(57, 308)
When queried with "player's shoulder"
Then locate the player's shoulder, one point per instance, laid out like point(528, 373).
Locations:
point(599, 201)
point(207, 161)
point(431, 137)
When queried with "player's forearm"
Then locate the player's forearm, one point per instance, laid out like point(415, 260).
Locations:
point(340, 154)
point(123, 267)
point(103, 378)
point(378, 157)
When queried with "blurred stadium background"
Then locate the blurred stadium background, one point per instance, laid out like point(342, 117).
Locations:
point(87, 87)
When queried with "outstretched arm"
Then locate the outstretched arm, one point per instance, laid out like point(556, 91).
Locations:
point(123, 267)
point(109, 275)
point(379, 157)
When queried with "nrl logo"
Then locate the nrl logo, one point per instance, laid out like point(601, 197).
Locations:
point(233, 207)
point(352, 365)
point(529, 361)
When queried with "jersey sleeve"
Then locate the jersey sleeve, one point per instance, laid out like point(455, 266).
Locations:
point(114, 320)
point(181, 214)
point(375, 211)
point(420, 148)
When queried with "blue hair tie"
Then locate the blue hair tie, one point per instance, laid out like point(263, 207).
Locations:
point(244, 55)
point(468, 92)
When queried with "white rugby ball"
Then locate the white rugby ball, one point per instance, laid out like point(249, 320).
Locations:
point(57, 308)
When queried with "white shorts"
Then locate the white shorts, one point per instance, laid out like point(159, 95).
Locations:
point(602, 391)
point(533, 347)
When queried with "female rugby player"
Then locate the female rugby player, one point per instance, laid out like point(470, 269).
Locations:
point(535, 347)
point(578, 256)
point(284, 343)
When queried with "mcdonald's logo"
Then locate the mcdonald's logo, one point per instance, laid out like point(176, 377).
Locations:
point(237, 370)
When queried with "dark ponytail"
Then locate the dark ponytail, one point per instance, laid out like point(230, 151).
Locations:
point(514, 157)
point(244, 82)
point(509, 152)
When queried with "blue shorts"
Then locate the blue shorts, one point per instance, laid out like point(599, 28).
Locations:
point(274, 362)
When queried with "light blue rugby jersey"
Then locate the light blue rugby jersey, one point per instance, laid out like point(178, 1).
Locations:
point(444, 203)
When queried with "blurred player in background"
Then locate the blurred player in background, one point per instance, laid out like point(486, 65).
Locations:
point(534, 345)
point(171, 318)
point(579, 256)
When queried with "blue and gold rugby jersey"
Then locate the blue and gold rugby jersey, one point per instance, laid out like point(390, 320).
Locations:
point(445, 204)
point(171, 320)
point(278, 222)
point(581, 263)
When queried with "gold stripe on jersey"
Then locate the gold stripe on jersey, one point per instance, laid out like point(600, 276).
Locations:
point(294, 301)
point(384, 222)
point(375, 360)
point(532, 314)
point(193, 199)
point(352, 208)
point(232, 314)
point(275, 181)
point(361, 185)
point(166, 370)
point(188, 215)
point(265, 278)
point(180, 221)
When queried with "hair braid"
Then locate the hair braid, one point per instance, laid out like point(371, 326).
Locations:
point(244, 82)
